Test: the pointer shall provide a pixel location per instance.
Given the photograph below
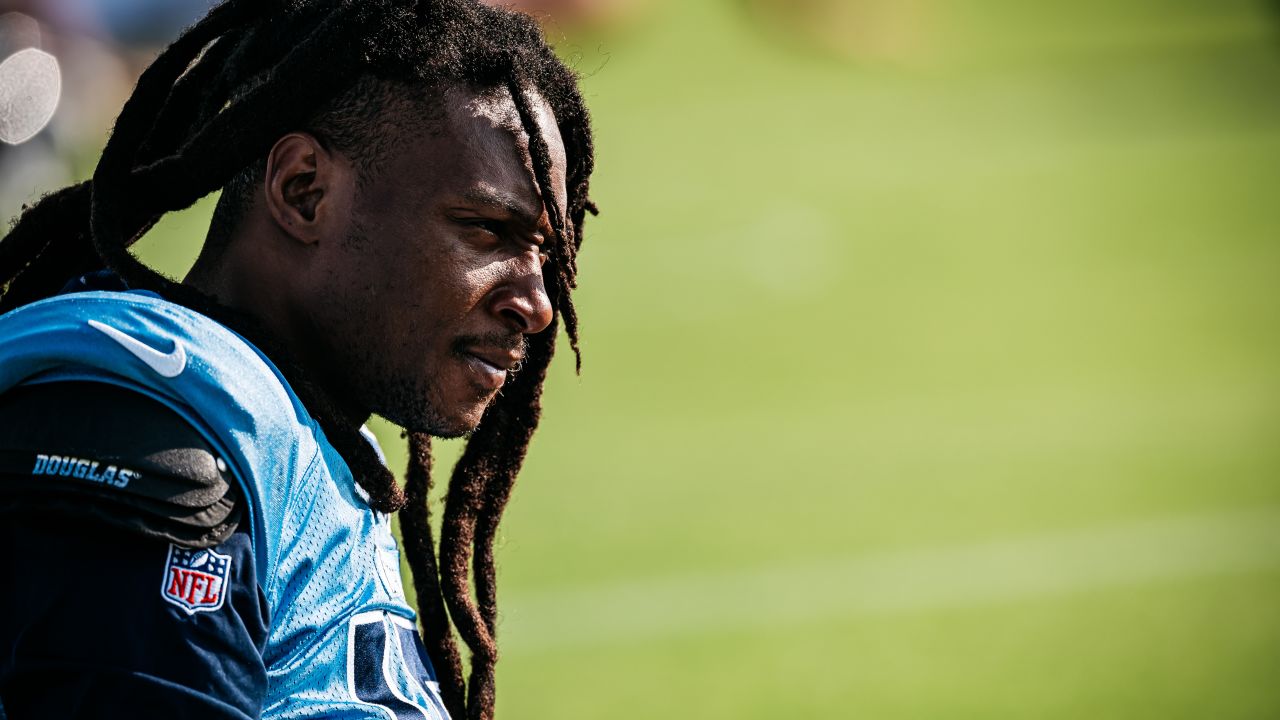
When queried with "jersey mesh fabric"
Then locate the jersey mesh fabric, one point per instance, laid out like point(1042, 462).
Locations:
point(341, 642)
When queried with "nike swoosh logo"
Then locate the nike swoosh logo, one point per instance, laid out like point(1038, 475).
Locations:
point(170, 364)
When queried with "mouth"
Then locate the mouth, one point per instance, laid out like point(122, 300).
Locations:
point(490, 367)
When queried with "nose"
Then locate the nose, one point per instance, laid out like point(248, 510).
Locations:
point(523, 304)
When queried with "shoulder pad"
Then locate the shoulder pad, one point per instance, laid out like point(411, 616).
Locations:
point(100, 452)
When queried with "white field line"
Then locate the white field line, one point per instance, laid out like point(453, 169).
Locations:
point(916, 581)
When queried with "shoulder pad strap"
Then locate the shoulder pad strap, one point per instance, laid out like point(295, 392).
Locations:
point(100, 452)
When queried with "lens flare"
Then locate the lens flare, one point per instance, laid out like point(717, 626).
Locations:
point(30, 86)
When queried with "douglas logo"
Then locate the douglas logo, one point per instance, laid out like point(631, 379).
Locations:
point(57, 465)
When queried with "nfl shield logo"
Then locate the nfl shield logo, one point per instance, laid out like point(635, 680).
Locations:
point(195, 580)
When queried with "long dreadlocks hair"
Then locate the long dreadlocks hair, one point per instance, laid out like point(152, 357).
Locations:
point(203, 117)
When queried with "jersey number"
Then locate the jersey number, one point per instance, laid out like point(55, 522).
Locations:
point(370, 656)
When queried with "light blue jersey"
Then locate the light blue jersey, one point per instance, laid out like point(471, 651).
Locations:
point(342, 641)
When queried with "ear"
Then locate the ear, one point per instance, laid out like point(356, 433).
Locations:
point(307, 187)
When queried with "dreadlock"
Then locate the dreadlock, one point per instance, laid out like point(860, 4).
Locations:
point(204, 116)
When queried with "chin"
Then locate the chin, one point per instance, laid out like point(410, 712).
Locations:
point(440, 409)
point(441, 426)
point(465, 423)
point(461, 427)
point(449, 433)
point(462, 421)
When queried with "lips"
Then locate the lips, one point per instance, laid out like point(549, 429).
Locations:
point(490, 365)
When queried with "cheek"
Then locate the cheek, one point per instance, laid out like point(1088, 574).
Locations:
point(478, 280)
point(417, 314)
point(416, 289)
point(450, 286)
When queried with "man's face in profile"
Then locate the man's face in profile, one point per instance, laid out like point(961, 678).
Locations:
point(426, 301)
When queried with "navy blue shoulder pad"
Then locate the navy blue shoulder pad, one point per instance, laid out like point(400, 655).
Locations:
point(100, 452)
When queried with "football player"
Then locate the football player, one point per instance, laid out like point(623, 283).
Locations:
point(195, 522)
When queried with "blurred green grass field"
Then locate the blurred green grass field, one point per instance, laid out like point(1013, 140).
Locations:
point(934, 385)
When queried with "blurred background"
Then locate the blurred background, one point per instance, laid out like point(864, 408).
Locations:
point(931, 354)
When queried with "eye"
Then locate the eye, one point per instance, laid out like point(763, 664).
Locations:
point(484, 233)
point(490, 226)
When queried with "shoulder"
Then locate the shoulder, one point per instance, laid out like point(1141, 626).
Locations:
point(220, 382)
point(137, 336)
point(102, 453)
point(215, 380)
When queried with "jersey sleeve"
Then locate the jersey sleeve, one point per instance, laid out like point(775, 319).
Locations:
point(93, 626)
point(101, 452)
point(133, 596)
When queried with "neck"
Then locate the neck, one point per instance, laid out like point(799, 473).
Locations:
point(252, 286)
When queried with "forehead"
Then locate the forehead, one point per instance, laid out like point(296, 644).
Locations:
point(479, 145)
point(493, 113)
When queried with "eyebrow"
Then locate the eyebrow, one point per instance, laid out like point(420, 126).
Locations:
point(503, 201)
